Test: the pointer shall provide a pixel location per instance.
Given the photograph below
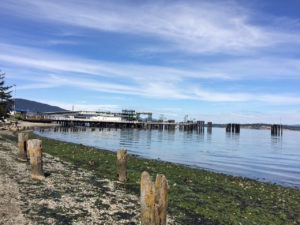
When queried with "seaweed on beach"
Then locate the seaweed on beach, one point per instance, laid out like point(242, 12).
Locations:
point(195, 196)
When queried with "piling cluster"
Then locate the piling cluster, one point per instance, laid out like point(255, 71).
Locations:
point(154, 196)
point(233, 128)
point(197, 126)
point(31, 149)
point(276, 130)
point(192, 126)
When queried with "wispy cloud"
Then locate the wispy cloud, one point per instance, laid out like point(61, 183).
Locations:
point(159, 91)
point(235, 69)
point(216, 96)
point(201, 27)
point(54, 70)
point(41, 59)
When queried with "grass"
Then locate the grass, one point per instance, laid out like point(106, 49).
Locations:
point(195, 196)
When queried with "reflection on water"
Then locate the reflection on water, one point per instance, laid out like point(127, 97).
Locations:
point(276, 142)
point(252, 153)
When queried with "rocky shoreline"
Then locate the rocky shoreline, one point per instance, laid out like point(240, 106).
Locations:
point(69, 195)
point(23, 125)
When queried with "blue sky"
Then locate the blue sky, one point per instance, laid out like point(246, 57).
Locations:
point(222, 61)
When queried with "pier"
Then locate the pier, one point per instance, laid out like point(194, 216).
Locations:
point(169, 125)
point(125, 119)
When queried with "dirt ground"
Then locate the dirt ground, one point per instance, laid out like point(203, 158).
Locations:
point(68, 195)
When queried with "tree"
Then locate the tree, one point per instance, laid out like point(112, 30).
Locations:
point(5, 98)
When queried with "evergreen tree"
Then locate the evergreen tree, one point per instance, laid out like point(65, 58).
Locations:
point(5, 98)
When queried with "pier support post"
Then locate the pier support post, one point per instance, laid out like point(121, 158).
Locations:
point(154, 200)
point(22, 145)
point(233, 128)
point(209, 127)
point(36, 159)
point(276, 130)
point(228, 128)
point(122, 165)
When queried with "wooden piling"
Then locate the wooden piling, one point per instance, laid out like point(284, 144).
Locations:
point(36, 158)
point(161, 200)
point(233, 128)
point(122, 165)
point(228, 127)
point(154, 200)
point(147, 199)
point(209, 127)
point(276, 130)
point(22, 145)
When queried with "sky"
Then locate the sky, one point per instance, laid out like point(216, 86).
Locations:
point(220, 61)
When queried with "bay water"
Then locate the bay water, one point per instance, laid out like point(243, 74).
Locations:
point(252, 153)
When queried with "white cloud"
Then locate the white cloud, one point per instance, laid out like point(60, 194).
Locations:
point(54, 70)
point(198, 27)
point(45, 60)
point(284, 117)
point(218, 96)
point(235, 69)
point(195, 28)
point(160, 91)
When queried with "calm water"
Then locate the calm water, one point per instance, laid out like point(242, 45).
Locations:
point(252, 153)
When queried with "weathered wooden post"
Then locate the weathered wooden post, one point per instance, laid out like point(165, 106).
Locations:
point(209, 127)
point(147, 199)
point(122, 164)
point(154, 200)
point(22, 144)
point(161, 200)
point(36, 158)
